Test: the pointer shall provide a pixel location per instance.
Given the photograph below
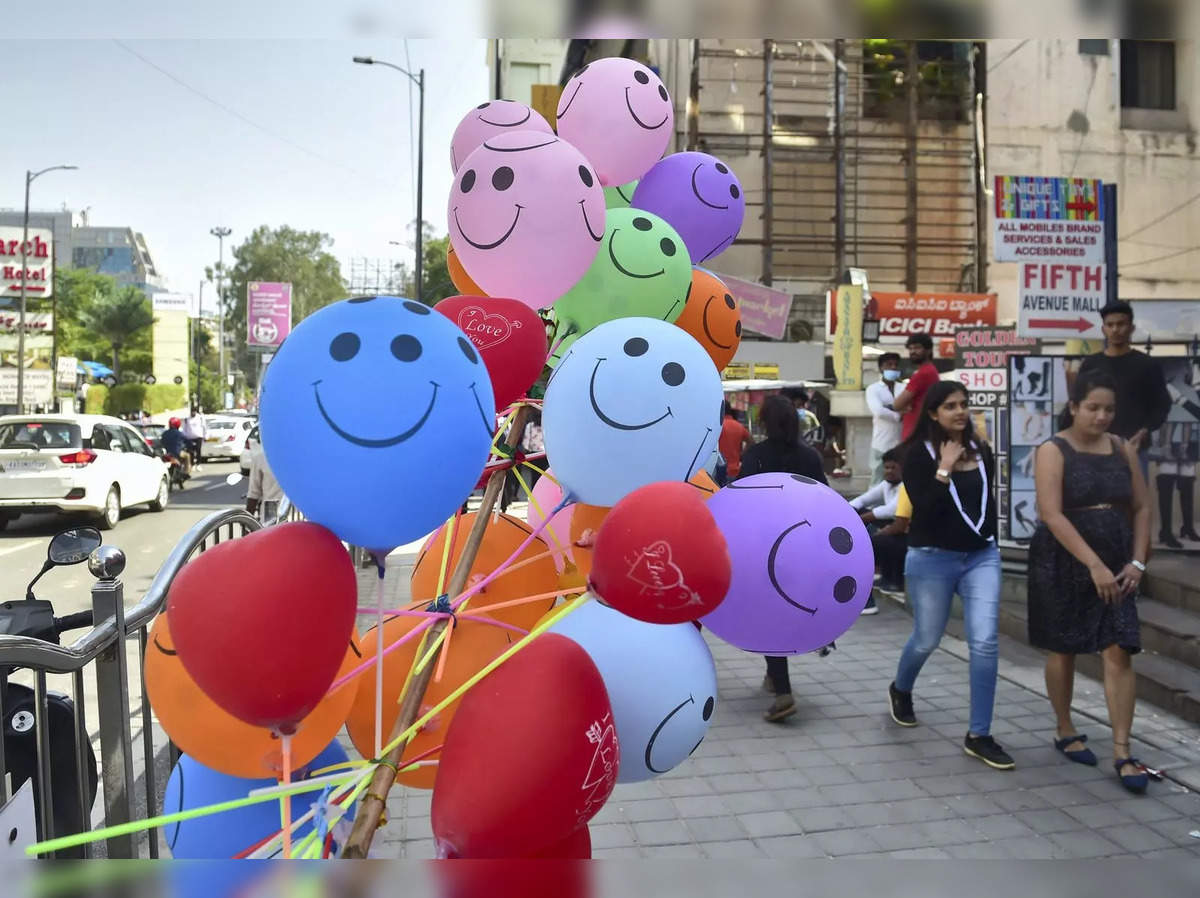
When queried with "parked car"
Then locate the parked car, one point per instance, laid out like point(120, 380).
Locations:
point(68, 463)
point(253, 444)
point(152, 434)
point(226, 436)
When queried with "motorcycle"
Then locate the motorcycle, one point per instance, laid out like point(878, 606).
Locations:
point(34, 618)
point(177, 476)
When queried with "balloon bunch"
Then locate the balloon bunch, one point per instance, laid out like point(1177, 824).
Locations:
point(539, 663)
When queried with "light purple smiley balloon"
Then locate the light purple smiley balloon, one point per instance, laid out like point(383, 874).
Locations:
point(619, 115)
point(700, 196)
point(803, 565)
point(489, 119)
point(526, 216)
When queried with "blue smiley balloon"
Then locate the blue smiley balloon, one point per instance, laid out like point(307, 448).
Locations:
point(635, 401)
point(376, 419)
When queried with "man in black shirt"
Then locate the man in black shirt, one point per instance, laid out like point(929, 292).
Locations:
point(1142, 397)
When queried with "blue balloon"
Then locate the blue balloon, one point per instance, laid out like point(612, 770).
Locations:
point(660, 680)
point(223, 835)
point(377, 419)
point(635, 401)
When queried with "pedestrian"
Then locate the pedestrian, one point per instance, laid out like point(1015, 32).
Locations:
point(533, 443)
point(195, 430)
point(949, 474)
point(263, 492)
point(810, 424)
point(877, 508)
point(174, 444)
point(886, 422)
point(782, 451)
point(732, 442)
point(1175, 446)
point(911, 399)
point(1142, 398)
point(1086, 560)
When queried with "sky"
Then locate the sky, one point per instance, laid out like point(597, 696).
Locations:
point(175, 137)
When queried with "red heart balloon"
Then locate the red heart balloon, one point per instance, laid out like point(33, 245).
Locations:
point(660, 557)
point(530, 756)
point(575, 847)
point(261, 623)
point(508, 334)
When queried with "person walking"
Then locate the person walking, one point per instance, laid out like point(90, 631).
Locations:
point(911, 399)
point(1142, 398)
point(1086, 560)
point(949, 474)
point(784, 452)
point(195, 430)
point(731, 444)
point(263, 493)
point(810, 424)
point(886, 422)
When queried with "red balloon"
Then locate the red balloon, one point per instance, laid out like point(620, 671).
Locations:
point(261, 623)
point(508, 335)
point(530, 756)
point(660, 557)
point(575, 847)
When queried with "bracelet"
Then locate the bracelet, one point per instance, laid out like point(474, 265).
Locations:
point(1139, 565)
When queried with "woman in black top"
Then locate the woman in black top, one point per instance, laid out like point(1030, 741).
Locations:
point(949, 474)
point(781, 452)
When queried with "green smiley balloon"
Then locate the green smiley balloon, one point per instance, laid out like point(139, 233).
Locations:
point(620, 196)
point(642, 270)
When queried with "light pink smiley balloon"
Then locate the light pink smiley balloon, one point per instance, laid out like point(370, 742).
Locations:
point(619, 115)
point(489, 119)
point(526, 216)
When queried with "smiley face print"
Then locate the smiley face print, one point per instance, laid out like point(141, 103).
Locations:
point(526, 216)
point(374, 387)
point(712, 317)
point(620, 115)
point(633, 402)
point(700, 196)
point(488, 120)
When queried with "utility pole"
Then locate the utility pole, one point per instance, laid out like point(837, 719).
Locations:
point(768, 273)
point(839, 158)
point(196, 325)
point(221, 233)
point(911, 78)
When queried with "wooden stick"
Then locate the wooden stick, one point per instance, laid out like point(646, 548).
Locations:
point(373, 802)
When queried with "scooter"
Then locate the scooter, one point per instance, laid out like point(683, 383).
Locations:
point(34, 618)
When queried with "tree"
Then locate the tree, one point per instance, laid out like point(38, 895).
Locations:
point(119, 317)
point(77, 291)
point(436, 274)
point(301, 258)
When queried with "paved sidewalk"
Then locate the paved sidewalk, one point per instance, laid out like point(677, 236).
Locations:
point(840, 779)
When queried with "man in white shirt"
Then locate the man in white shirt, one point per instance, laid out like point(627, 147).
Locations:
point(194, 431)
point(878, 504)
point(877, 507)
point(886, 421)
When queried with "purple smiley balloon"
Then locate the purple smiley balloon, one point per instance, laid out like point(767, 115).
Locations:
point(489, 119)
point(699, 196)
point(803, 565)
point(619, 115)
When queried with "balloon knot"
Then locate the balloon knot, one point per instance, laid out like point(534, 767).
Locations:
point(441, 605)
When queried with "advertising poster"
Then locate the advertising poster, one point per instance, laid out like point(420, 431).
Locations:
point(268, 314)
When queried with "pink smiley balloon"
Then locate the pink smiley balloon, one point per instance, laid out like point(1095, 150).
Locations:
point(526, 216)
point(489, 119)
point(619, 115)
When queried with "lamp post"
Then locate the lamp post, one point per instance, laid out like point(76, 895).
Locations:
point(221, 234)
point(30, 177)
point(419, 80)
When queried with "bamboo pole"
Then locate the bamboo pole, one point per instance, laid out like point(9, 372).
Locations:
point(374, 800)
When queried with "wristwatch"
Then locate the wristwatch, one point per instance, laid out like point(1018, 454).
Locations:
point(1139, 565)
point(942, 472)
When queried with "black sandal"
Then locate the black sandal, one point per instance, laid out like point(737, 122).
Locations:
point(1078, 755)
point(1136, 782)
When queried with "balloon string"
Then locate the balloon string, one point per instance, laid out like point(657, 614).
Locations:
point(287, 798)
point(358, 671)
point(451, 534)
point(541, 511)
point(441, 666)
point(379, 658)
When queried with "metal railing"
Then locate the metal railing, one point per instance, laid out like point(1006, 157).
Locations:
point(104, 649)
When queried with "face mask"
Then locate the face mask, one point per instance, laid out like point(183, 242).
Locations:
point(891, 374)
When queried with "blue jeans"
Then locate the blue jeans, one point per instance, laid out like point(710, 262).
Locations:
point(933, 576)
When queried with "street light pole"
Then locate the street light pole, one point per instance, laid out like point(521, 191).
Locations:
point(30, 177)
point(419, 80)
point(221, 234)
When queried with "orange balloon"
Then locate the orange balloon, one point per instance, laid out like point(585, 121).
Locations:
point(464, 282)
point(585, 524)
point(472, 645)
point(701, 481)
point(219, 740)
point(503, 536)
point(712, 316)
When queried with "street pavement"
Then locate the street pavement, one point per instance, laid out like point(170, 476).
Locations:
point(840, 779)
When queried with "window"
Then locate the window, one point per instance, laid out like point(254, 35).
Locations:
point(43, 435)
point(134, 443)
point(1148, 74)
point(1093, 47)
point(943, 89)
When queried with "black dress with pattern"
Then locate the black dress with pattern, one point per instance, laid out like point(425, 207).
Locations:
point(1066, 614)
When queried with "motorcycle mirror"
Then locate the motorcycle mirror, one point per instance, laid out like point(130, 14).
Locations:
point(73, 546)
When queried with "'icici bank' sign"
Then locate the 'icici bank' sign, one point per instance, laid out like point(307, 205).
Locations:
point(901, 315)
point(38, 262)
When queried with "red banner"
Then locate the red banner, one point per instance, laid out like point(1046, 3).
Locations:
point(901, 315)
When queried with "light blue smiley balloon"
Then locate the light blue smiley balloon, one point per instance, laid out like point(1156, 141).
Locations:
point(376, 419)
point(635, 401)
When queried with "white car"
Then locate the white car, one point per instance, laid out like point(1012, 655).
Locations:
point(77, 463)
point(226, 436)
point(253, 444)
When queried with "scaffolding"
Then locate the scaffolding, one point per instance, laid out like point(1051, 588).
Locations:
point(367, 276)
point(869, 159)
